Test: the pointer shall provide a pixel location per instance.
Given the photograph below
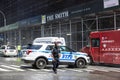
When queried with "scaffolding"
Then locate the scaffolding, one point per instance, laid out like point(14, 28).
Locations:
point(75, 30)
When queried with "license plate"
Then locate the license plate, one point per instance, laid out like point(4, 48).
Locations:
point(11, 50)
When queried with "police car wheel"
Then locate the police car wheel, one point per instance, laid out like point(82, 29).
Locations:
point(40, 63)
point(80, 63)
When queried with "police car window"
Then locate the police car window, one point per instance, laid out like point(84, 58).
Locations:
point(49, 47)
point(67, 49)
point(95, 42)
point(35, 47)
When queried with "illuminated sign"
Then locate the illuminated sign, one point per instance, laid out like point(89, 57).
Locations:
point(110, 3)
point(43, 19)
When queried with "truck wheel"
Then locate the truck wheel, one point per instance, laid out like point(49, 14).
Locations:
point(80, 63)
point(40, 63)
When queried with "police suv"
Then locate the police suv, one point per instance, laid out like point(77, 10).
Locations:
point(39, 55)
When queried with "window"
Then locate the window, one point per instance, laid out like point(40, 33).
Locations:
point(35, 47)
point(67, 49)
point(49, 47)
point(95, 42)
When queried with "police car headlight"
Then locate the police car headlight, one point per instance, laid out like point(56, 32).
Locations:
point(87, 55)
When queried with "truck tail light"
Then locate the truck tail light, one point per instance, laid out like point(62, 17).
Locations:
point(29, 51)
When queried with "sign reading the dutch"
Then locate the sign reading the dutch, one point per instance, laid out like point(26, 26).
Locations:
point(57, 16)
point(110, 3)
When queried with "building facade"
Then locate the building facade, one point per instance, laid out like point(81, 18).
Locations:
point(71, 19)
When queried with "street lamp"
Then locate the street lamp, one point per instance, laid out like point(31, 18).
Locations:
point(4, 22)
point(3, 17)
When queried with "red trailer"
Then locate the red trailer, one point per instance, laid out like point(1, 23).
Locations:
point(104, 47)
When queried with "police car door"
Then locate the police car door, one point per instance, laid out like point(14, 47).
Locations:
point(66, 54)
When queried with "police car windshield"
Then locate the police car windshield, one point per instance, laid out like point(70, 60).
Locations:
point(67, 49)
point(34, 47)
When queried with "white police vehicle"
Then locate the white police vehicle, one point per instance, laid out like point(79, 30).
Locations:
point(39, 55)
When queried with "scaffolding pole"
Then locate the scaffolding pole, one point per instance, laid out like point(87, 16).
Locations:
point(70, 34)
point(51, 30)
point(97, 23)
point(42, 30)
point(59, 29)
point(20, 42)
point(82, 32)
point(115, 25)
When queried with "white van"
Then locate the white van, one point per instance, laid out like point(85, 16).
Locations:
point(49, 40)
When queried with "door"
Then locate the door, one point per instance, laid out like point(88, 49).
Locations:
point(95, 49)
point(66, 54)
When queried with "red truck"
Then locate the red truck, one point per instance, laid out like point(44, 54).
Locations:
point(104, 47)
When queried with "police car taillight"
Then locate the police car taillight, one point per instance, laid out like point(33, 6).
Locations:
point(29, 51)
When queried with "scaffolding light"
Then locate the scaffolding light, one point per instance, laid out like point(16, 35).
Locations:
point(69, 34)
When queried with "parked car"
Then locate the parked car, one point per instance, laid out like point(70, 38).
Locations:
point(8, 50)
point(40, 56)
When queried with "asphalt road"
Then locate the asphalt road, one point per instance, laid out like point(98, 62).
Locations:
point(11, 68)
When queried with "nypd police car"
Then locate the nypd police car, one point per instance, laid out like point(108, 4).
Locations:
point(40, 56)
